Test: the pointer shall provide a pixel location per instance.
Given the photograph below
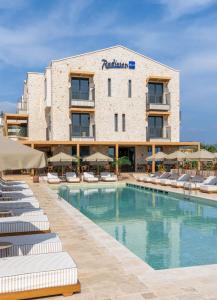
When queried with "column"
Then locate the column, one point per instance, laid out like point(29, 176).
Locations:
point(78, 157)
point(116, 158)
point(153, 160)
point(199, 163)
point(32, 171)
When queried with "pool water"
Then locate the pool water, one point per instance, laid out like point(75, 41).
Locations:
point(165, 231)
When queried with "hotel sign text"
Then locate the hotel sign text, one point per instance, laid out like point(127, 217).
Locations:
point(118, 65)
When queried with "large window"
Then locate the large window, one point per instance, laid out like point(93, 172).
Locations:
point(155, 93)
point(155, 126)
point(80, 88)
point(80, 125)
point(123, 122)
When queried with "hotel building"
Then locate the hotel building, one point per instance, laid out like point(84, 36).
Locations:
point(113, 100)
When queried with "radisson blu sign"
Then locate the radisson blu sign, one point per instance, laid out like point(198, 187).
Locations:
point(118, 65)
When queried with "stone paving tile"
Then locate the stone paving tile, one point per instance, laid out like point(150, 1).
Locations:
point(109, 271)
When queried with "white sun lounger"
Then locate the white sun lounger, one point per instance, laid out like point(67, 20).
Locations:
point(14, 184)
point(20, 194)
point(31, 276)
point(196, 185)
point(157, 180)
point(19, 188)
point(53, 178)
point(108, 177)
point(24, 224)
point(168, 181)
point(180, 182)
point(89, 177)
point(24, 203)
point(26, 211)
point(72, 177)
point(207, 188)
point(31, 244)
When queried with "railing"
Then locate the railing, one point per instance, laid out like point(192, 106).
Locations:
point(83, 95)
point(81, 131)
point(17, 131)
point(158, 133)
point(161, 100)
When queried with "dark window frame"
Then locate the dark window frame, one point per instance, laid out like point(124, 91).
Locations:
point(129, 88)
point(80, 94)
point(109, 87)
point(76, 130)
point(123, 122)
point(116, 122)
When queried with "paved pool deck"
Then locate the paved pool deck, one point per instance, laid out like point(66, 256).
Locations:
point(107, 270)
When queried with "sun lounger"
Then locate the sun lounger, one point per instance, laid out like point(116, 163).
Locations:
point(53, 178)
point(171, 178)
point(17, 193)
point(24, 203)
point(152, 176)
point(89, 177)
point(156, 180)
point(14, 184)
point(20, 188)
point(180, 182)
point(195, 185)
point(24, 225)
point(36, 276)
point(207, 188)
point(31, 244)
point(107, 176)
point(23, 211)
point(72, 177)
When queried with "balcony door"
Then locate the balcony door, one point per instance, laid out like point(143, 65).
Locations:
point(80, 125)
point(155, 126)
point(80, 88)
point(155, 93)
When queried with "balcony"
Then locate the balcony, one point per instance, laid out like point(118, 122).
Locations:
point(82, 133)
point(17, 131)
point(83, 99)
point(158, 103)
point(158, 133)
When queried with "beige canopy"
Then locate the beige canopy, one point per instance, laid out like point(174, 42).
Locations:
point(201, 155)
point(15, 156)
point(159, 156)
point(178, 155)
point(62, 157)
point(98, 157)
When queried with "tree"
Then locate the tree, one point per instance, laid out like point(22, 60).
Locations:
point(208, 147)
point(122, 161)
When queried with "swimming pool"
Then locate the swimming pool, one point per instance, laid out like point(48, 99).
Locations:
point(165, 230)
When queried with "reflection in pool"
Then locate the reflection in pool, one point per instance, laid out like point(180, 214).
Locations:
point(163, 230)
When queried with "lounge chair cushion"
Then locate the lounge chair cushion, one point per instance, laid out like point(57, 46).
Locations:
point(208, 188)
point(31, 244)
point(19, 224)
point(29, 272)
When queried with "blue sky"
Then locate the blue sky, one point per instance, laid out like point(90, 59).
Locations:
point(180, 33)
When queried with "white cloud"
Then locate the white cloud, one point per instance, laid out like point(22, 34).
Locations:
point(179, 8)
point(7, 106)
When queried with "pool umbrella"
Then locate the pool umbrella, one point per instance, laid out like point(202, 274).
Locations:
point(159, 156)
point(201, 155)
point(15, 156)
point(177, 155)
point(62, 158)
point(97, 158)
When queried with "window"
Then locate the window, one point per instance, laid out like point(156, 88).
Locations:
point(84, 151)
point(111, 151)
point(116, 122)
point(80, 125)
point(155, 93)
point(129, 88)
point(80, 88)
point(155, 125)
point(109, 87)
point(123, 123)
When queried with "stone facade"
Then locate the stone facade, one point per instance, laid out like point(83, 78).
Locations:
point(49, 94)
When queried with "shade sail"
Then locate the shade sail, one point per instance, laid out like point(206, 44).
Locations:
point(178, 155)
point(62, 157)
point(201, 155)
point(160, 156)
point(15, 156)
point(98, 157)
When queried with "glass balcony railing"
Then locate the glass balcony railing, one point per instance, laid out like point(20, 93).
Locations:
point(82, 131)
point(155, 102)
point(83, 98)
point(17, 131)
point(158, 133)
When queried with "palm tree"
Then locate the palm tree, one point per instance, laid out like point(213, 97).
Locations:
point(121, 161)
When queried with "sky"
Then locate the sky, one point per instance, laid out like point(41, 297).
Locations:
point(179, 33)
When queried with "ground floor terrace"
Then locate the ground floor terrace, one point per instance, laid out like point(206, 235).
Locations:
point(109, 271)
point(137, 152)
